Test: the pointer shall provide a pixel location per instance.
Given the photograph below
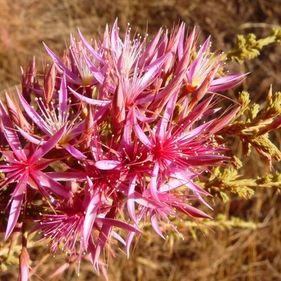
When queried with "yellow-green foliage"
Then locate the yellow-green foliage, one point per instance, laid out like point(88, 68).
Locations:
point(251, 127)
point(249, 47)
point(254, 123)
point(225, 182)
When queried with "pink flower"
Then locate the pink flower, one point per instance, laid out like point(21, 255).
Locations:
point(24, 167)
point(53, 116)
point(78, 221)
point(115, 133)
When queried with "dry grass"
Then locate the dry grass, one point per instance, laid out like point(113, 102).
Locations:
point(222, 254)
point(24, 25)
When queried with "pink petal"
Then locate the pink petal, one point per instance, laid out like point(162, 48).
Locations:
point(227, 82)
point(131, 235)
point(60, 64)
point(117, 223)
point(131, 200)
point(150, 73)
point(89, 100)
point(24, 265)
point(118, 237)
point(194, 212)
point(74, 152)
point(90, 48)
point(28, 137)
point(15, 209)
point(107, 164)
point(10, 134)
point(63, 109)
point(16, 112)
point(220, 123)
point(33, 115)
point(129, 241)
point(48, 145)
point(90, 217)
point(154, 223)
point(141, 135)
point(67, 176)
point(154, 182)
point(43, 180)
point(166, 118)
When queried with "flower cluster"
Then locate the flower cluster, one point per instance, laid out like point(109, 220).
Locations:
point(113, 134)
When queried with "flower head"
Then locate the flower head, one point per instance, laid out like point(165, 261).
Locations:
point(24, 166)
point(114, 134)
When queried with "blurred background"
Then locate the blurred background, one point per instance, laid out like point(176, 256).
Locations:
point(245, 248)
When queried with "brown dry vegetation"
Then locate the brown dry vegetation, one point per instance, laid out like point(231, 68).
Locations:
point(223, 254)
